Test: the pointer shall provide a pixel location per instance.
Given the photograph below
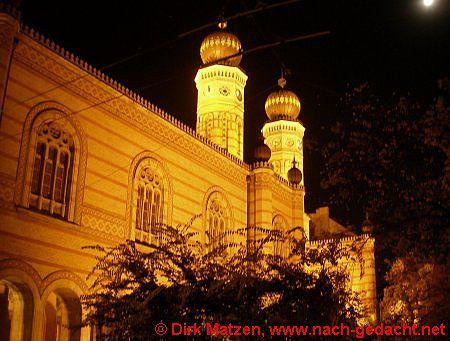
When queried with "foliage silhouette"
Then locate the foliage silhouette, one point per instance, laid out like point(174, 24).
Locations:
point(179, 279)
point(389, 157)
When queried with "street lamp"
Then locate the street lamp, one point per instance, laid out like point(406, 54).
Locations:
point(428, 3)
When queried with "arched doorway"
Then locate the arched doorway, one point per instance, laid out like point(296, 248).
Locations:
point(62, 314)
point(16, 310)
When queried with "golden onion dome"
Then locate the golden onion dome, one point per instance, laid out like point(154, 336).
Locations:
point(219, 45)
point(282, 104)
point(294, 174)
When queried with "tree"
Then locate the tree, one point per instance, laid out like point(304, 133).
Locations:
point(178, 278)
point(388, 156)
point(417, 293)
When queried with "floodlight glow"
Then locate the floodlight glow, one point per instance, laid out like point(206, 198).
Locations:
point(428, 3)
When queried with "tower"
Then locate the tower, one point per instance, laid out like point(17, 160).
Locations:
point(220, 85)
point(283, 133)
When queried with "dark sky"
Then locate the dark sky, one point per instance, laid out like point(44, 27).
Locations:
point(395, 44)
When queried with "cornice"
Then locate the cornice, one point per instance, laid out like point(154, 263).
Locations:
point(260, 164)
point(361, 237)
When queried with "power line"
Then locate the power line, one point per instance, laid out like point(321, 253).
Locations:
point(159, 46)
point(255, 49)
point(64, 84)
point(240, 15)
point(270, 45)
point(261, 32)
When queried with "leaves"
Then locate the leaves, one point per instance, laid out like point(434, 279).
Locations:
point(389, 157)
point(417, 293)
point(180, 279)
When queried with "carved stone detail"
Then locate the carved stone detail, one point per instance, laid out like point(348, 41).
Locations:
point(7, 265)
point(281, 190)
point(17, 264)
point(6, 190)
point(263, 180)
point(103, 223)
point(64, 274)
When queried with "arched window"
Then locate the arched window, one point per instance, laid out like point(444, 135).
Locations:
point(52, 170)
point(217, 220)
point(149, 199)
point(149, 205)
point(279, 247)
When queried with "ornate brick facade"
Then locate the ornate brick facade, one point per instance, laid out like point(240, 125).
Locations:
point(115, 131)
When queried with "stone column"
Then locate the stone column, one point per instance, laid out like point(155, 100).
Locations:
point(260, 200)
point(299, 218)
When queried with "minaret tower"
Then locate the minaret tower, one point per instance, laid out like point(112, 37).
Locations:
point(220, 84)
point(283, 133)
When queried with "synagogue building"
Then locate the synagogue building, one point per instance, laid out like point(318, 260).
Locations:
point(85, 161)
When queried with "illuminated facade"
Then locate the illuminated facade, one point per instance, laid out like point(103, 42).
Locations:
point(85, 161)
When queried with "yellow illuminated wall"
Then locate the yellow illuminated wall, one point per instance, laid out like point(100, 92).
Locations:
point(220, 106)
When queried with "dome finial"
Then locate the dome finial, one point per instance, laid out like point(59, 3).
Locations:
point(282, 80)
point(294, 163)
point(222, 24)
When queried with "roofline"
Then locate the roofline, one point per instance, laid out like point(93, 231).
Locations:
point(85, 66)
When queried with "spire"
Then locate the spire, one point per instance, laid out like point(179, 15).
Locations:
point(282, 80)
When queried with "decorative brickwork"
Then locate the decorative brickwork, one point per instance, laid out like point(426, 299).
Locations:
point(102, 223)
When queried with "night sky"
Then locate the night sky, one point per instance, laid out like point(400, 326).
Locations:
point(397, 45)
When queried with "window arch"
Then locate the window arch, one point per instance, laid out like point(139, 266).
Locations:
point(217, 219)
point(149, 205)
point(149, 200)
point(52, 162)
point(279, 246)
point(52, 169)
